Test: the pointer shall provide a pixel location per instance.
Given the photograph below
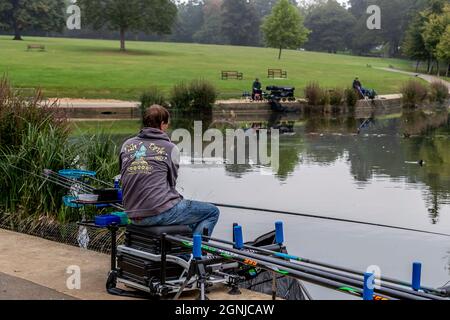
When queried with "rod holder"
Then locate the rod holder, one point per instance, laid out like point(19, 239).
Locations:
point(197, 246)
point(238, 238)
point(368, 286)
point(416, 275)
point(279, 233)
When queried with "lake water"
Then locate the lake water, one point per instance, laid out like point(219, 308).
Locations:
point(327, 169)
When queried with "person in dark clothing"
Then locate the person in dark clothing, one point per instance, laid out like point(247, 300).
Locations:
point(149, 169)
point(358, 87)
point(256, 90)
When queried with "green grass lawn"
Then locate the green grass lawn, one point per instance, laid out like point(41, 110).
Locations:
point(96, 68)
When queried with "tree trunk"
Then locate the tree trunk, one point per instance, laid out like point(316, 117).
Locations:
point(279, 54)
point(122, 39)
point(429, 65)
point(17, 33)
point(438, 68)
point(448, 70)
point(417, 65)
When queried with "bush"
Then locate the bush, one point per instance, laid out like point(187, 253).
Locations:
point(16, 112)
point(180, 98)
point(336, 97)
point(313, 93)
point(33, 137)
point(203, 95)
point(150, 97)
point(439, 92)
point(198, 95)
point(324, 98)
point(414, 92)
point(351, 97)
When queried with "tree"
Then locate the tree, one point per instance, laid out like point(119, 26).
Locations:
point(395, 18)
point(443, 49)
point(189, 20)
point(330, 26)
point(22, 15)
point(433, 32)
point(283, 28)
point(414, 44)
point(240, 23)
point(211, 30)
point(149, 16)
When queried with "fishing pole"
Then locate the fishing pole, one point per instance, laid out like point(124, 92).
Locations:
point(281, 212)
point(356, 277)
point(426, 290)
point(241, 258)
point(330, 266)
point(327, 218)
point(300, 268)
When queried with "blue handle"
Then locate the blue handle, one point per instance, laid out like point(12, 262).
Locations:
point(417, 270)
point(368, 286)
point(279, 234)
point(238, 238)
point(197, 247)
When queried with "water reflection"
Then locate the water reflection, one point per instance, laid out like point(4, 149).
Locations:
point(379, 160)
point(391, 148)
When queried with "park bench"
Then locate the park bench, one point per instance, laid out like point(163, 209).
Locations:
point(36, 46)
point(232, 75)
point(276, 73)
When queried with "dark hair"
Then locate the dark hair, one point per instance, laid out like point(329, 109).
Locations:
point(155, 115)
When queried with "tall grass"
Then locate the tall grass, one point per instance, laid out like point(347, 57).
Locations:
point(438, 92)
point(413, 93)
point(151, 96)
point(195, 96)
point(34, 136)
point(313, 93)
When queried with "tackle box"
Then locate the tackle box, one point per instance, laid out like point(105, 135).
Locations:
point(144, 271)
point(149, 239)
point(107, 220)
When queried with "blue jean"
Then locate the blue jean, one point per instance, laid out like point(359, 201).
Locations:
point(195, 214)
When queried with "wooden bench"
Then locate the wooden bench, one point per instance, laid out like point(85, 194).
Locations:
point(36, 46)
point(232, 75)
point(276, 73)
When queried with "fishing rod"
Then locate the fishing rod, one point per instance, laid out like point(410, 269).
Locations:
point(427, 290)
point(289, 266)
point(273, 211)
point(64, 182)
point(340, 275)
point(243, 259)
point(326, 218)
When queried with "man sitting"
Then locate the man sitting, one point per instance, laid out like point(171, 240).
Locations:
point(359, 88)
point(256, 91)
point(363, 92)
point(149, 168)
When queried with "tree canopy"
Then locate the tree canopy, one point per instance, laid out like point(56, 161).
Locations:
point(149, 16)
point(283, 28)
point(22, 15)
point(331, 26)
point(240, 22)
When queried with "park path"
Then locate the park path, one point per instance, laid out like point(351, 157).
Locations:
point(427, 77)
point(35, 268)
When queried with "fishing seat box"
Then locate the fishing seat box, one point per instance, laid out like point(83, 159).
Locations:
point(148, 239)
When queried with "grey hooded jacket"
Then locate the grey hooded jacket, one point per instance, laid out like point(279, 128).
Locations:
point(149, 174)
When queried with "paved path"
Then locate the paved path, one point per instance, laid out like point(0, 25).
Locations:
point(427, 77)
point(35, 268)
point(15, 288)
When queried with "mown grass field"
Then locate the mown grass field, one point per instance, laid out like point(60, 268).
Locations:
point(97, 69)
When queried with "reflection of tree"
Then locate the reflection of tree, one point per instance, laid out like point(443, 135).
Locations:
point(380, 149)
point(390, 154)
point(420, 122)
